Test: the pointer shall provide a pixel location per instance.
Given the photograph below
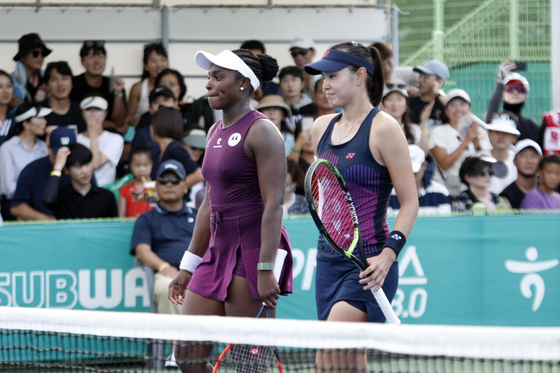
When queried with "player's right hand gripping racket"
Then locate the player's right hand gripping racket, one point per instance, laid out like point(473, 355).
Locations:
point(334, 213)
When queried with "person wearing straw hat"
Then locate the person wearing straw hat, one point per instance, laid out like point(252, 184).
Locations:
point(20, 150)
point(276, 109)
point(28, 76)
point(503, 133)
point(227, 269)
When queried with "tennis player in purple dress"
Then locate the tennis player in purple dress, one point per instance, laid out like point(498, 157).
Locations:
point(227, 270)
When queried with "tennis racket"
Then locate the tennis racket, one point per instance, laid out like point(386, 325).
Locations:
point(252, 358)
point(334, 213)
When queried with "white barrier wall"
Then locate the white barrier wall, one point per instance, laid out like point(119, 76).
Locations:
point(213, 29)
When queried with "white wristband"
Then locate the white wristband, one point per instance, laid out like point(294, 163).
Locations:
point(190, 261)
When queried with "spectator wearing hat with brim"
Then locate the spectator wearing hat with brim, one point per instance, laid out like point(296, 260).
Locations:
point(106, 147)
point(28, 77)
point(395, 103)
point(476, 173)
point(27, 202)
point(433, 75)
point(20, 150)
point(526, 158)
point(433, 197)
point(513, 89)
point(276, 109)
point(503, 133)
point(453, 142)
point(303, 51)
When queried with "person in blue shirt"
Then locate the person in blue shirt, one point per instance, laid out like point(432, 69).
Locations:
point(27, 202)
point(162, 235)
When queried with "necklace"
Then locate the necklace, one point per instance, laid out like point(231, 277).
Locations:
point(350, 130)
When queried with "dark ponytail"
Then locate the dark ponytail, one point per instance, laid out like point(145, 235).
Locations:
point(264, 66)
point(375, 83)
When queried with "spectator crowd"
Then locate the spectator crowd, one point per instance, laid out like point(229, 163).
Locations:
point(67, 141)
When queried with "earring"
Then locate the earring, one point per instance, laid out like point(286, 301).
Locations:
point(241, 88)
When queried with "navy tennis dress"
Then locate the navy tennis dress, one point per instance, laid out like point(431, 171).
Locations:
point(370, 186)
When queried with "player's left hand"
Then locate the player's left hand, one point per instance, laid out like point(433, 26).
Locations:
point(373, 277)
point(268, 288)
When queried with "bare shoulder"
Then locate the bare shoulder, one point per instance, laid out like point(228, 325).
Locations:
point(383, 123)
point(136, 87)
point(386, 138)
point(319, 127)
point(263, 130)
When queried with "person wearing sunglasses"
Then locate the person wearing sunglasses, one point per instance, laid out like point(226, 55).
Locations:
point(93, 56)
point(303, 51)
point(28, 77)
point(513, 90)
point(476, 173)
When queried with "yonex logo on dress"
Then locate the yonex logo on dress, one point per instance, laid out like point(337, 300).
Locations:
point(65, 140)
point(350, 155)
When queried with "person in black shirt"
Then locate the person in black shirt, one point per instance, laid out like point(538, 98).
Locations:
point(527, 157)
point(433, 76)
point(66, 113)
point(94, 59)
point(81, 198)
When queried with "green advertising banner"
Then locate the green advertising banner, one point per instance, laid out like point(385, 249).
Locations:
point(487, 270)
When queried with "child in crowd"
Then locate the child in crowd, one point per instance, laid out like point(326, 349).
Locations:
point(134, 198)
point(545, 196)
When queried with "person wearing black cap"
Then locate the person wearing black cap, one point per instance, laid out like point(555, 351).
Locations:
point(28, 77)
point(81, 198)
point(27, 202)
point(20, 150)
point(369, 149)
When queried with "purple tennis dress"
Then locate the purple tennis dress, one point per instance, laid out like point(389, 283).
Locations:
point(236, 214)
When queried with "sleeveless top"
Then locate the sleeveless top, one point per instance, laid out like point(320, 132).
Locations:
point(144, 101)
point(369, 183)
point(231, 174)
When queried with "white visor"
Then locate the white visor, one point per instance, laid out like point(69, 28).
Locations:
point(94, 102)
point(43, 112)
point(228, 60)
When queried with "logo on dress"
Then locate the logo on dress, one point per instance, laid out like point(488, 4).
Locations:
point(234, 139)
point(350, 155)
point(218, 143)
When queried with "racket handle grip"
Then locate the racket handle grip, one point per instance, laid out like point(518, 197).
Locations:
point(385, 306)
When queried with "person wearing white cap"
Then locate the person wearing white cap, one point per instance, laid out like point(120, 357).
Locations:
point(21, 149)
point(433, 197)
point(503, 133)
point(227, 269)
point(106, 147)
point(527, 155)
point(303, 51)
point(450, 144)
point(513, 89)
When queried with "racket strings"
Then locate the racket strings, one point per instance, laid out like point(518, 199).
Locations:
point(252, 358)
point(332, 207)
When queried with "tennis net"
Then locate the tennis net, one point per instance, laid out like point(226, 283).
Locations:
point(54, 340)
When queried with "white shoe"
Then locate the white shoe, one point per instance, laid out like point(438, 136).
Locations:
point(170, 362)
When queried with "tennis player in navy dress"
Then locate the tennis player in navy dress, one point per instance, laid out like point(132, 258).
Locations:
point(370, 151)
